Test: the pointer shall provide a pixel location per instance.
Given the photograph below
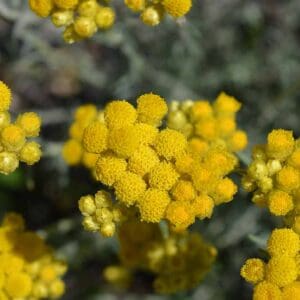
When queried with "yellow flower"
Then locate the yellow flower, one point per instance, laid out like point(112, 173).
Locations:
point(13, 137)
point(203, 206)
point(95, 137)
point(152, 15)
point(72, 152)
point(5, 97)
point(280, 143)
point(281, 270)
point(253, 270)
point(30, 122)
point(224, 191)
point(180, 215)
point(163, 176)
point(170, 143)
point(18, 285)
point(42, 8)
point(30, 153)
point(280, 203)
point(119, 113)
point(183, 191)
point(266, 291)
point(283, 242)
point(200, 110)
point(105, 17)
point(4, 119)
point(85, 27)
point(110, 168)
point(177, 8)
point(238, 141)
point(153, 205)
point(291, 291)
point(288, 178)
point(143, 160)
point(8, 162)
point(151, 109)
point(88, 8)
point(129, 188)
point(226, 104)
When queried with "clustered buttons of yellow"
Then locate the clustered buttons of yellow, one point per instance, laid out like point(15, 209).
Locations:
point(152, 12)
point(178, 262)
point(28, 266)
point(206, 124)
point(83, 18)
point(101, 214)
point(14, 146)
point(80, 18)
point(274, 176)
point(276, 279)
point(73, 152)
point(154, 170)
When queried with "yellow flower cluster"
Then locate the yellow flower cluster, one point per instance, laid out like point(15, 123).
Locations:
point(100, 213)
point(28, 267)
point(206, 124)
point(152, 12)
point(14, 146)
point(153, 169)
point(276, 279)
point(274, 176)
point(73, 151)
point(80, 18)
point(179, 262)
point(83, 18)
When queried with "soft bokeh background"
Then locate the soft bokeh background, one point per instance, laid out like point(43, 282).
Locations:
point(248, 48)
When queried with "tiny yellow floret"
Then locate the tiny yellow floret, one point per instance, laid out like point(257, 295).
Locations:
point(13, 137)
point(95, 137)
point(280, 203)
point(30, 122)
point(72, 152)
point(42, 8)
point(105, 17)
point(30, 153)
point(253, 270)
point(177, 8)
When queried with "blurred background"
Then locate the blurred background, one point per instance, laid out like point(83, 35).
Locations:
point(247, 48)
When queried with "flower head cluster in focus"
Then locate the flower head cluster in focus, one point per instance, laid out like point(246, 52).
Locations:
point(274, 176)
point(276, 279)
point(205, 124)
point(157, 171)
point(179, 262)
point(28, 266)
point(14, 146)
point(83, 18)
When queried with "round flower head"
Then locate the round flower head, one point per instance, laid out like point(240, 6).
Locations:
point(280, 143)
point(201, 109)
point(72, 152)
point(18, 285)
point(88, 8)
point(163, 176)
point(8, 162)
point(31, 123)
point(266, 291)
point(280, 203)
point(238, 141)
point(281, 270)
point(95, 137)
point(5, 97)
point(177, 8)
point(42, 8)
point(119, 113)
point(30, 153)
point(226, 104)
point(13, 137)
point(224, 191)
point(203, 206)
point(62, 18)
point(129, 188)
point(288, 178)
point(105, 17)
point(283, 242)
point(151, 109)
point(183, 191)
point(85, 27)
point(153, 205)
point(85, 114)
point(291, 291)
point(170, 143)
point(253, 270)
point(110, 168)
point(152, 15)
point(180, 215)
